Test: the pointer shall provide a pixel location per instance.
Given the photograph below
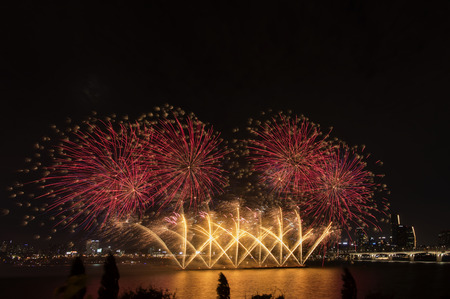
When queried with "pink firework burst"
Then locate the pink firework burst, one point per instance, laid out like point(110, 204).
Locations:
point(342, 190)
point(188, 162)
point(286, 153)
point(102, 174)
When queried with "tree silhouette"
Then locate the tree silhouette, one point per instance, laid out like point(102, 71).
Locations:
point(349, 288)
point(109, 288)
point(75, 286)
point(223, 289)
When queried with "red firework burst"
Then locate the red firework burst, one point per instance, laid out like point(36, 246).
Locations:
point(102, 174)
point(187, 162)
point(342, 190)
point(287, 152)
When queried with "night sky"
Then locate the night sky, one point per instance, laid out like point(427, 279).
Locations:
point(377, 72)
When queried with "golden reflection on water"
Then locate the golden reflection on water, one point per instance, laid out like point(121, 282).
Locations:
point(293, 283)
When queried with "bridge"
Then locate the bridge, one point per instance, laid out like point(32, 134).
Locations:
point(404, 255)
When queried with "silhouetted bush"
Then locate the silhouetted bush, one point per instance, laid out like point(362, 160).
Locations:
point(267, 296)
point(75, 286)
point(109, 288)
point(223, 289)
point(149, 293)
point(349, 288)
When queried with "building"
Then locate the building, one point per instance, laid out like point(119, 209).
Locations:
point(92, 247)
point(403, 236)
point(361, 238)
point(406, 237)
point(395, 222)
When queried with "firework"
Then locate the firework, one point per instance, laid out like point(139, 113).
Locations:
point(286, 153)
point(208, 240)
point(168, 161)
point(188, 162)
point(342, 190)
point(102, 173)
point(113, 168)
point(326, 179)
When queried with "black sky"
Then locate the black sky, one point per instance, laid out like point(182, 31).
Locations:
point(377, 72)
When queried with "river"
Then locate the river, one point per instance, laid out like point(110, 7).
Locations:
point(400, 279)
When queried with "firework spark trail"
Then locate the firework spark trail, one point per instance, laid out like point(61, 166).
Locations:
point(102, 173)
point(286, 153)
point(216, 241)
point(342, 190)
point(187, 162)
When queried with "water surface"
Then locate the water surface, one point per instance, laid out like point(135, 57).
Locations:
point(403, 280)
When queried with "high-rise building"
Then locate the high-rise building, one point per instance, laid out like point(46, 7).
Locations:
point(92, 246)
point(395, 222)
point(403, 236)
point(361, 238)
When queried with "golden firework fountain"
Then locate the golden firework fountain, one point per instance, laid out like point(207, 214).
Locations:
point(213, 243)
